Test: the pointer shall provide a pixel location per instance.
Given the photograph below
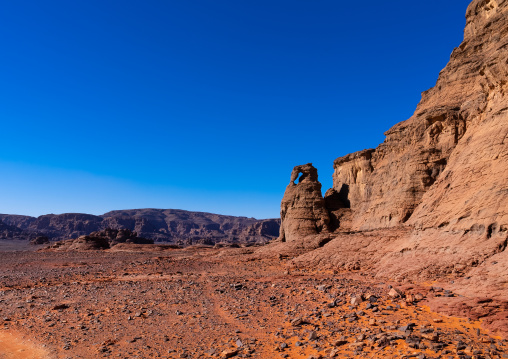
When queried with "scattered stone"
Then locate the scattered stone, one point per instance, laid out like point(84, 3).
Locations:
point(395, 293)
point(298, 322)
point(356, 300)
point(229, 353)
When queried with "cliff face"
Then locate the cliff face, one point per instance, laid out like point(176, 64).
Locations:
point(431, 201)
point(165, 225)
point(447, 165)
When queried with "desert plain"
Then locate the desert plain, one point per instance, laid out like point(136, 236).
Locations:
point(203, 302)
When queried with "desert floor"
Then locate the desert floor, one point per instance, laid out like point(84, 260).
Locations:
point(204, 302)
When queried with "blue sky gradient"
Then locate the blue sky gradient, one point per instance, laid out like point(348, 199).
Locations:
point(202, 105)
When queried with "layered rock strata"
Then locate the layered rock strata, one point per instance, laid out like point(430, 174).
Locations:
point(447, 165)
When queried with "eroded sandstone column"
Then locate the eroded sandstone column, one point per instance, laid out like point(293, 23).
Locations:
point(302, 209)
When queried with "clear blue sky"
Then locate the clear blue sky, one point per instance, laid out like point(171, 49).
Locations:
point(202, 105)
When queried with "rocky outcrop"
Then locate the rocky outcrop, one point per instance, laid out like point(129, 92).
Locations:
point(162, 225)
point(431, 201)
point(39, 240)
point(303, 210)
point(100, 240)
point(446, 166)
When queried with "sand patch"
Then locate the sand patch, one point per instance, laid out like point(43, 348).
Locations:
point(13, 346)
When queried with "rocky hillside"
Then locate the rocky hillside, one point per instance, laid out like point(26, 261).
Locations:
point(163, 225)
point(432, 199)
point(9, 232)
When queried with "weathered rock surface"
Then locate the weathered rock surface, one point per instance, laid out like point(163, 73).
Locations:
point(431, 200)
point(338, 205)
point(163, 225)
point(303, 210)
point(447, 165)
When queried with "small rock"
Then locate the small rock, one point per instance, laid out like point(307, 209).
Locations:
point(356, 346)
point(298, 321)
point(229, 353)
point(356, 300)
point(313, 335)
point(373, 299)
point(418, 297)
point(339, 343)
point(394, 293)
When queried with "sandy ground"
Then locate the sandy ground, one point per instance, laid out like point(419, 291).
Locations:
point(202, 303)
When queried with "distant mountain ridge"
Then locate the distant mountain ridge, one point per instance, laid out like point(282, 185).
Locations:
point(162, 225)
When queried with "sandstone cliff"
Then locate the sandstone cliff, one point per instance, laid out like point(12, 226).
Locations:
point(447, 165)
point(431, 200)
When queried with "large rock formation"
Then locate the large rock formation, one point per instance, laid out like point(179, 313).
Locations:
point(303, 210)
point(162, 225)
point(447, 165)
point(431, 200)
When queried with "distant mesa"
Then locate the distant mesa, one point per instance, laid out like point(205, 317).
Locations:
point(171, 226)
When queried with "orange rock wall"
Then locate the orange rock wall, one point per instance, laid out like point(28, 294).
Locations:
point(447, 165)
